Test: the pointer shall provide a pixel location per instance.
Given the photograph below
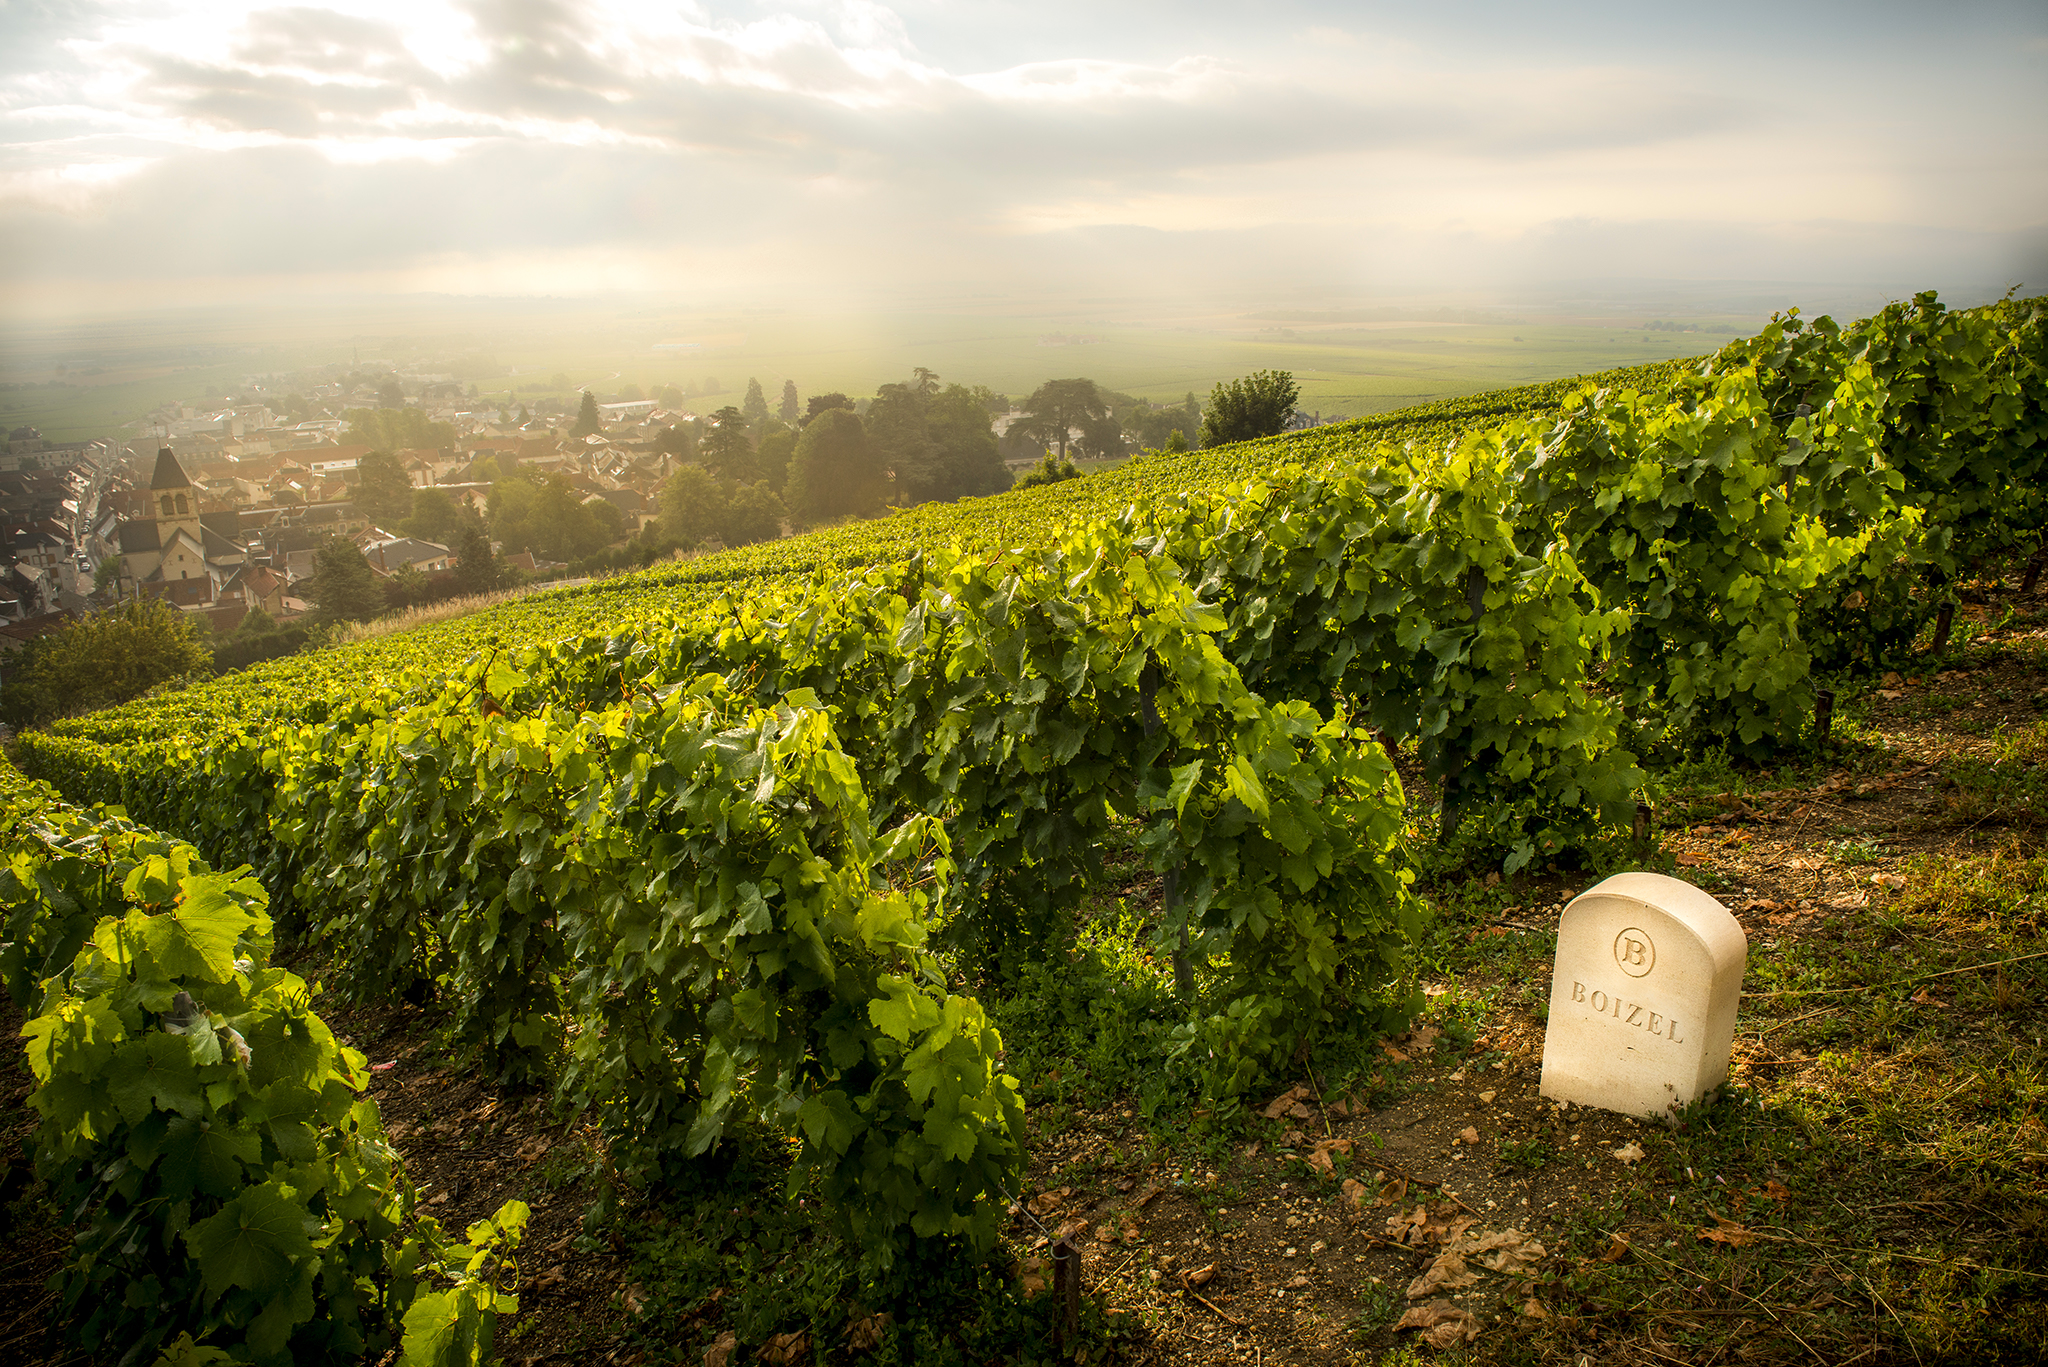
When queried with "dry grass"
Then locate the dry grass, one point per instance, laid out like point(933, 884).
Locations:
point(447, 610)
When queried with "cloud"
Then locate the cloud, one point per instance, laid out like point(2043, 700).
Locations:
point(461, 135)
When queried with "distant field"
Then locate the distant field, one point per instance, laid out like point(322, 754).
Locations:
point(115, 372)
point(1348, 371)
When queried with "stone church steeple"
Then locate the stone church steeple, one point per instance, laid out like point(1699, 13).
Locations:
point(174, 502)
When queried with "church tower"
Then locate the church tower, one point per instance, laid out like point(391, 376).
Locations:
point(174, 503)
point(181, 542)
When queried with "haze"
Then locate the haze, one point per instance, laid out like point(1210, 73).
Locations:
point(847, 151)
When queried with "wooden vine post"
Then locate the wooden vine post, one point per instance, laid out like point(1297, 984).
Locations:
point(1066, 1290)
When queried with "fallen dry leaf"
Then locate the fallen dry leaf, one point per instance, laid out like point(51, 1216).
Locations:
point(1630, 1152)
point(1692, 859)
point(1292, 1102)
point(1144, 1197)
point(1777, 1190)
point(1392, 1053)
point(635, 1298)
point(782, 1349)
point(1727, 1232)
point(1443, 1325)
point(1616, 1251)
point(1200, 1276)
point(1320, 1160)
point(1293, 1139)
point(1031, 1276)
point(866, 1333)
point(720, 1352)
point(1354, 1192)
point(1445, 1270)
point(1533, 1308)
point(1046, 1202)
point(1510, 1253)
point(1422, 1039)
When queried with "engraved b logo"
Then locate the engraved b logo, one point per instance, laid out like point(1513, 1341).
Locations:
point(1634, 952)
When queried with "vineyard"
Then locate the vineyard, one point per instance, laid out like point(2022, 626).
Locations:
point(735, 846)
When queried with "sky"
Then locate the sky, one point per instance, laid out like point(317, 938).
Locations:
point(173, 151)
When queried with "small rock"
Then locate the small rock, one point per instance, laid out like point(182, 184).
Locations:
point(1487, 1096)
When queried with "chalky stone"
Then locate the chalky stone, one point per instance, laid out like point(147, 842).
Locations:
point(1642, 996)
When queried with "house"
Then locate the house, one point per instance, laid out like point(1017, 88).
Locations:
point(389, 556)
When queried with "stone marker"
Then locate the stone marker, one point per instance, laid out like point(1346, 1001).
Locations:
point(1642, 996)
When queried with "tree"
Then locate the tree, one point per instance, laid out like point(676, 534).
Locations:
point(789, 412)
point(383, 493)
point(819, 403)
point(833, 471)
point(1049, 470)
point(477, 568)
point(103, 659)
point(692, 506)
point(108, 577)
point(1056, 407)
point(390, 394)
point(1256, 406)
point(397, 429)
point(679, 440)
point(755, 405)
point(725, 449)
point(1102, 438)
point(343, 586)
point(550, 518)
point(949, 452)
point(255, 622)
point(435, 516)
point(408, 587)
point(752, 513)
point(771, 458)
point(587, 422)
point(896, 434)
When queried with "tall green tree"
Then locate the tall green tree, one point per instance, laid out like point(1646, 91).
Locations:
point(834, 471)
point(1057, 407)
point(755, 405)
point(771, 458)
point(895, 425)
point(103, 659)
point(955, 454)
point(435, 516)
point(587, 421)
point(383, 493)
point(789, 412)
point(692, 506)
point(344, 589)
point(725, 449)
point(819, 403)
point(1256, 406)
point(551, 518)
point(477, 567)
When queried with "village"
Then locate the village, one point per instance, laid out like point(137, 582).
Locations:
point(218, 505)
